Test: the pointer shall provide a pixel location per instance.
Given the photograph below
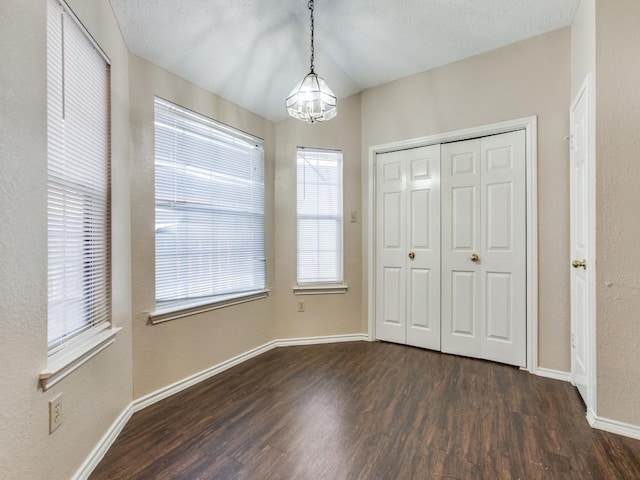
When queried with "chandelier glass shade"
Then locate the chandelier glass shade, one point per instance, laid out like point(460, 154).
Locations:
point(311, 100)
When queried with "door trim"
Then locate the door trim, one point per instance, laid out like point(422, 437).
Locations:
point(587, 89)
point(529, 125)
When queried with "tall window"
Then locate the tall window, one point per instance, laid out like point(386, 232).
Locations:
point(319, 210)
point(78, 179)
point(209, 209)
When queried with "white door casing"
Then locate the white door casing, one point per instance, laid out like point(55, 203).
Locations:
point(408, 247)
point(581, 257)
point(484, 305)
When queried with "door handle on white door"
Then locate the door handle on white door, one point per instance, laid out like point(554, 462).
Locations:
point(412, 255)
point(474, 257)
point(578, 264)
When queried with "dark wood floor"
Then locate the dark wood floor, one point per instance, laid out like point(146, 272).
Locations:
point(369, 411)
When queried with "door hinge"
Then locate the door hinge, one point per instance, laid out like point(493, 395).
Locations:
point(573, 340)
point(571, 144)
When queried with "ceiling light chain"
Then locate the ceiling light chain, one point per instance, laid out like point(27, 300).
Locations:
point(312, 36)
point(312, 100)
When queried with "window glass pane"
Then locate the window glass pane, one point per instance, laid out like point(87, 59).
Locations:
point(209, 182)
point(78, 179)
point(319, 212)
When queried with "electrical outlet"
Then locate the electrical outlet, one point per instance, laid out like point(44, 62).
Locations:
point(301, 305)
point(55, 412)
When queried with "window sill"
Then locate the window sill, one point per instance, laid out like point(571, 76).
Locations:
point(62, 363)
point(319, 289)
point(179, 311)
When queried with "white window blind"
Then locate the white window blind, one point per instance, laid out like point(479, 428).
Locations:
point(78, 179)
point(319, 211)
point(209, 209)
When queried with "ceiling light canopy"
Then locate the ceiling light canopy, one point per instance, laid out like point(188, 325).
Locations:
point(311, 100)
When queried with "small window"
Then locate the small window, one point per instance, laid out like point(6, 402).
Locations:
point(78, 180)
point(210, 240)
point(319, 213)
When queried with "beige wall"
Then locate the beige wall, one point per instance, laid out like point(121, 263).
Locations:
point(171, 351)
point(95, 394)
point(617, 199)
point(324, 314)
point(527, 78)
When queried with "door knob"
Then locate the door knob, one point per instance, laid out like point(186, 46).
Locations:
point(578, 264)
point(474, 257)
point(412, 255)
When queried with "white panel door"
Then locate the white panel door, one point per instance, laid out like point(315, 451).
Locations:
point(504, 261)
point(484, 248)
point(408, 247)
point(579, 179)
point(391, 247)
point(460, 241)
point(423, 245)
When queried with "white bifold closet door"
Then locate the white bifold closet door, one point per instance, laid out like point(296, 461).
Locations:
point(484, 248)
point(408, 247)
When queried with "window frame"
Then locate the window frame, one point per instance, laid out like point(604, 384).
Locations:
point(320, 286)
point(186, 306)
point(69, 348)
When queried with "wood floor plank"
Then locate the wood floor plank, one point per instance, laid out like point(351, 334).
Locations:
point(361, 411)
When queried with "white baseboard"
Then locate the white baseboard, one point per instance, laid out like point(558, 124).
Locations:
point(114, 430)
point(555, 374)
point(174, 388)
point(104, 444)
point(164, 392)
point(601, 423)
point(352, 337)
point(614, 426)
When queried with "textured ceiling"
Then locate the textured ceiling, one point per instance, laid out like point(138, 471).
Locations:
point(253, 52)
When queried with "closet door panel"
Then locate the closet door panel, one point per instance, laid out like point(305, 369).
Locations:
point(423, 247)
point(451, 247)
point(391, 247)
point(484, 248)
point(461, 286)
point(408, 247)
point(503, 260)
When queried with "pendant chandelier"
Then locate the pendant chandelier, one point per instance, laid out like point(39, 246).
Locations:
point(311, 100)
